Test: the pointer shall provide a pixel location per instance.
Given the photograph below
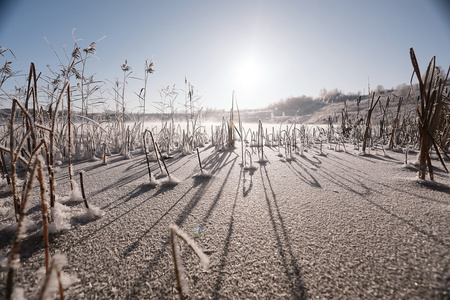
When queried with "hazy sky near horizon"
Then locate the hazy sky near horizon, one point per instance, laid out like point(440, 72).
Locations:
point(264, 50)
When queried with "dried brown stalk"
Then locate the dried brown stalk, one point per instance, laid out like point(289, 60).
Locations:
point(199, 161)
point(4, 170)
point(13, 162)
point(156, 151)
point(69, 145)
point(430, 111)
point(53, 267)
point(369, 116)
point(175, 233)
point(146, 154)
point(395, 125)
point(15, 248)
point(82, 190)
point(44, 201)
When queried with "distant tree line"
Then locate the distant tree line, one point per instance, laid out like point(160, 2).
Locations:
point(298, 102)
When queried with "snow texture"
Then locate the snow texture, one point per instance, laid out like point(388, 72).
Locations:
point(18, 294)
point(92, 213)
point(205, 174)
point(61, 215)
point(75, 194)
point(339, 226)
point(50, 285)
point(203, 258)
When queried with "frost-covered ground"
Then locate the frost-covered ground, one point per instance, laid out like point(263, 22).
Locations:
point(338, 225)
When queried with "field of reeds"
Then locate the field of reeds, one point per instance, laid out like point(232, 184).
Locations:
point(113, 208)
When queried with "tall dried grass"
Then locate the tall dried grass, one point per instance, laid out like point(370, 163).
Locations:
point(430, 109)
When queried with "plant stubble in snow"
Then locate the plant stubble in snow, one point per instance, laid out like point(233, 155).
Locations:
point(334, 226)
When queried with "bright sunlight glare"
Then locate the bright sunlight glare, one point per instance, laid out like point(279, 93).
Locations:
point(249, 73)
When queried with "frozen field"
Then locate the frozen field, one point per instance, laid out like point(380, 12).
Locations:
point(338, 225)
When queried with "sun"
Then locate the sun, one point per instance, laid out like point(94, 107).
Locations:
point(249, 79)
point(248, 73)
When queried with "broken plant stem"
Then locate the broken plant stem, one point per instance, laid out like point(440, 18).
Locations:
point(146, 155)
point(82, 190)
point(44, 213)
point(156, 151)
point(199, 161)
point(162, 159)
point(18, 237)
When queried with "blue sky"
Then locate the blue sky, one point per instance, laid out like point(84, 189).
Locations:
point(264, 50)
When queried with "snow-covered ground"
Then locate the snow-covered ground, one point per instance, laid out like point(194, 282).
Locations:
point(330, 226)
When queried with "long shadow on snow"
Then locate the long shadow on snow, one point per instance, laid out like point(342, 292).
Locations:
point(345, 177)
point(226, 248)
point(139, 162)
point(217, 162)
point(124, 181)
point(30, 244)
point(438, 187)
point(315, 161)
point(375, 157)
point(246, 191)
point(137, 192)
point(219, 193)
point(357, 175)
point(171, 163)
point(341, 162)
point(7, 237)
point(112, 163)
point(286, 253)
point(409, 224)
point(156, 260)
point(188, 208)
point(294, 165)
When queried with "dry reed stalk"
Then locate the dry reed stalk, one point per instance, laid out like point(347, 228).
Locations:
point(247, 153)
point(384, 111)
point(4, 170)
point(69, 142)
point(13, 162)
point(369, 116)
point(240, 132)
point(396, 122)
point(178, 265)
point(406, 155)
point(104, 153)
point(175, 233)
point(430, 112)
point(346, 125)
point(32, 91)
point(146, 155)
point(28, 122)
point(31, 163)
point(445, 135)
point(261, 135)
point(82, 190)
point(231, 125)
point(199, 161)
point(43, 190)
point(18, 237)
point(53, 267)
point(50, 173)
point(294, 138)
point(162, 159)
point(156, 152)
point(127, 142)
point(52, 142)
